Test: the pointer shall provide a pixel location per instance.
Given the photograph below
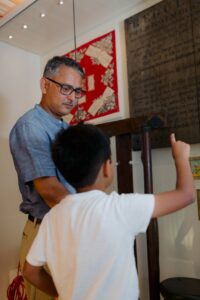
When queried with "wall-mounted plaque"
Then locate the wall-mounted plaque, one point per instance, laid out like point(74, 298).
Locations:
point(163, 54)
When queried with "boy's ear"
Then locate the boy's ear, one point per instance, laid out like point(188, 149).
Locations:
point(107, 170)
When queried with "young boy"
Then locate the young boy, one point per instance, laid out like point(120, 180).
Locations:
point(87, 239)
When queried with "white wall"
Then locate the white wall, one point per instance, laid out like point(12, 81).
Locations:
point(179, 232)
point(179, 239)
point(19, 76)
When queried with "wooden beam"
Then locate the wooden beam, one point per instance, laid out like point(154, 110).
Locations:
point(130, 125)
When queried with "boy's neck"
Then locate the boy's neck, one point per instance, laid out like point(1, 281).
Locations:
point(91, 188)
point(103, 179)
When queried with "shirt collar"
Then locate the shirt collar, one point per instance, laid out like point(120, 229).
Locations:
point(46, 115)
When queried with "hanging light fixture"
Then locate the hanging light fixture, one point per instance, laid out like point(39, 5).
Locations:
point(75, 51)
point(74, 27)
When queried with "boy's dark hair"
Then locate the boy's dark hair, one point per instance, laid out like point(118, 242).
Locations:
point(79, 152)
point(53, 65)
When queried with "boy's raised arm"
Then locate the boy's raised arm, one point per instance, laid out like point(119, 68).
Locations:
point(184, 193)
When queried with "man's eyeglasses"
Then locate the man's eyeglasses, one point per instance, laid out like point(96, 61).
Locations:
point(67, 89)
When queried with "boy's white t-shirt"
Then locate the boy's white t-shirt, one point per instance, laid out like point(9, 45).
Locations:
point(87, 242)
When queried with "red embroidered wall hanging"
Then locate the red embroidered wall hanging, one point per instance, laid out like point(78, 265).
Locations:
point(98, 59)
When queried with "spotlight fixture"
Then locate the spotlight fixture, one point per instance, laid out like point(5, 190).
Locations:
point(61, 2)
point(10, 37)
point(42, 15)
point(25, 26)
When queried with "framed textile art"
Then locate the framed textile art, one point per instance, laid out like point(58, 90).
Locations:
point(98, 59)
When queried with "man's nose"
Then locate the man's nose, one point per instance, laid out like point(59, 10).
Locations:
point(72, 97)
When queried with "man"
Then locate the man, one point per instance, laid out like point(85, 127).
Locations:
point(40, 183)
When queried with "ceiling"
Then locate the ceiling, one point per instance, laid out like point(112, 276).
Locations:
point(57, 27)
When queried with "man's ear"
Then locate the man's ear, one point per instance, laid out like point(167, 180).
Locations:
point(43, 85)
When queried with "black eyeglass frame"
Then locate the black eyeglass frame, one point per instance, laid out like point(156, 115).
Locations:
point(79, 92)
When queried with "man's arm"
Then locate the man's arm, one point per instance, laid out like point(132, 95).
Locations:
point(50, 189)
point(184, 194)
point(40, 278)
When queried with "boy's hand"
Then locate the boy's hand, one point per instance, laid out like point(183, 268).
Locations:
point(180, 150)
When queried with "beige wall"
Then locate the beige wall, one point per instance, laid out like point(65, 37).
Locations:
point(19, 77)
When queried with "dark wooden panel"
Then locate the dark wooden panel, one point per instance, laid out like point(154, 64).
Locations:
point(163, 54)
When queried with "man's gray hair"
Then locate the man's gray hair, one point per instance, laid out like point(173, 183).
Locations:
point(53, 65)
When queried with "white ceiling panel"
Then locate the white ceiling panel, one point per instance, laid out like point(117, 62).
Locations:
point(56, 28)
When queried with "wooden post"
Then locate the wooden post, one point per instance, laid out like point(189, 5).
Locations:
point(152, 232)
point(124, 160)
